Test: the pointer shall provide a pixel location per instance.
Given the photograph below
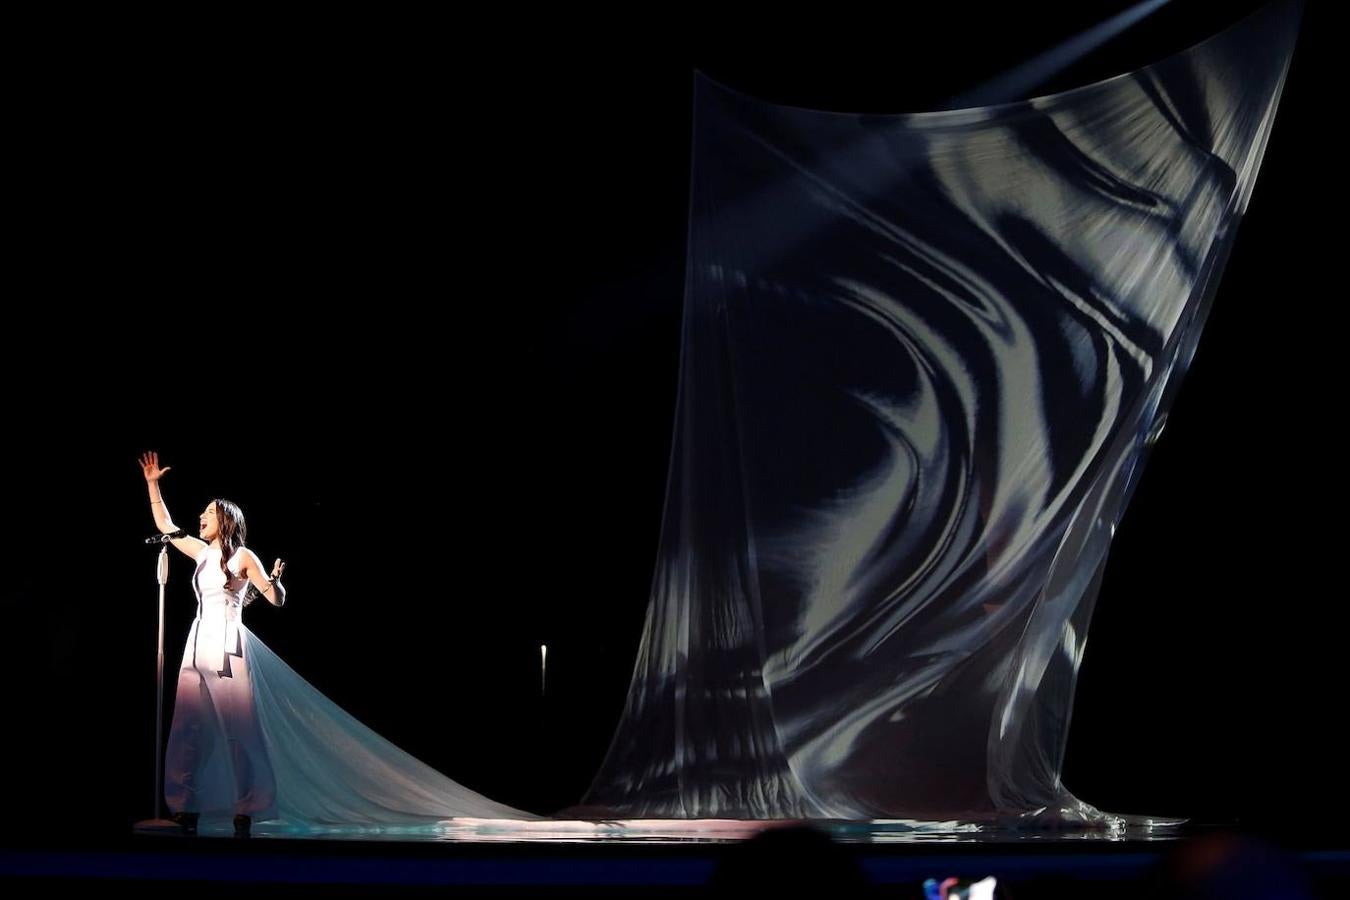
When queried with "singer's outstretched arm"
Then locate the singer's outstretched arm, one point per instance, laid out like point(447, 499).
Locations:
point(269, 586)
point(153, 473)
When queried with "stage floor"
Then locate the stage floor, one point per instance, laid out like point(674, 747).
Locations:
point(683, 831)
point(658, 857)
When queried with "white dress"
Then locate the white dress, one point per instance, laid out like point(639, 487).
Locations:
point(250, 736)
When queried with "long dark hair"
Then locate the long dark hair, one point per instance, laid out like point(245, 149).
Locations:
point(230, 519)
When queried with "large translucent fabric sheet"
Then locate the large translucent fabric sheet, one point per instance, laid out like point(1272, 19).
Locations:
point(923, 359)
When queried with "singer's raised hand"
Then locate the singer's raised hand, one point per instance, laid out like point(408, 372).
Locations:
point(178, 537)
point(150, 466)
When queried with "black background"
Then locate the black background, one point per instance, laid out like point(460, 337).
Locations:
point(408, 292)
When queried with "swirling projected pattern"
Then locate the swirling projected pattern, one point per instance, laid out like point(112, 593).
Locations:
point(923, 358)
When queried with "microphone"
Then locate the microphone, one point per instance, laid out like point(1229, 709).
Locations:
point(165, 538)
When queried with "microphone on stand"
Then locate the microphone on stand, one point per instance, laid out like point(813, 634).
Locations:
point(165, 538)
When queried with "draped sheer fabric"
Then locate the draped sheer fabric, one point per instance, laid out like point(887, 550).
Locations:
point(332, 774)
point(923, 359)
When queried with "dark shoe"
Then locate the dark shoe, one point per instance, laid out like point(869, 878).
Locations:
point(186, 821)
point(242, 824)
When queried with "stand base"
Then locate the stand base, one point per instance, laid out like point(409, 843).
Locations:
point(156, 826)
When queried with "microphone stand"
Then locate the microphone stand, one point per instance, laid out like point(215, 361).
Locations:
point(159, 823)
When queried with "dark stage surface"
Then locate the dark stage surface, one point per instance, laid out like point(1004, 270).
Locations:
point(410, 295)
point(806, 861)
